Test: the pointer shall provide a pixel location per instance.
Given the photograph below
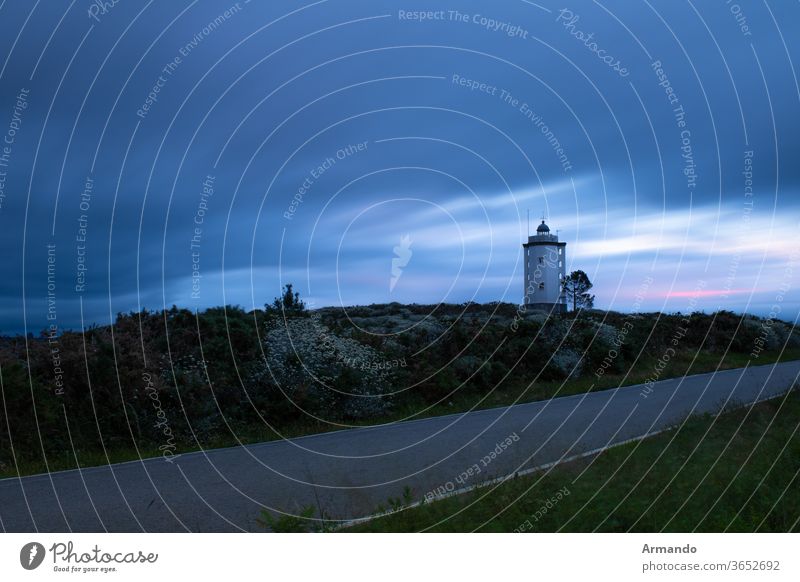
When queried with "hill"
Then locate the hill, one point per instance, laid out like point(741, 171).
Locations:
point(158, 383)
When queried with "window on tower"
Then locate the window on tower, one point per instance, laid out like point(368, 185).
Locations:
point(541, 285)
point(541, 260)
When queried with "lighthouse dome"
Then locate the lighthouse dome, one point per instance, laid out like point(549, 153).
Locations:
point(543, 228)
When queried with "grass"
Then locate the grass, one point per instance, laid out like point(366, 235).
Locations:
point(736, 472)
point(506, 394)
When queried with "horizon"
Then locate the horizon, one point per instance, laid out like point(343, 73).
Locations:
point(520, 307)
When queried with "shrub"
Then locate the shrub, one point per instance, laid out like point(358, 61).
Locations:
point(324, 373)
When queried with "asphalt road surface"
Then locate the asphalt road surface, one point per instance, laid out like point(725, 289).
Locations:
point(350, 473)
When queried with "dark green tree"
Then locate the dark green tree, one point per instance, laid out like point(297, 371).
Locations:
point(289, 303)
point(577, 286)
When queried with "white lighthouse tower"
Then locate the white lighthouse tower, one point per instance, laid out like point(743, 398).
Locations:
point(545, 269)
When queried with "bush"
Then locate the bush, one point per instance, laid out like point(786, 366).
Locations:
point(323, 373)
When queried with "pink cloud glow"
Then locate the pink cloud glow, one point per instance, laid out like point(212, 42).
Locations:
point(705, 293)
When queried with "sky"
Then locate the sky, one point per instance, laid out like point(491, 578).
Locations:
point(203, 153)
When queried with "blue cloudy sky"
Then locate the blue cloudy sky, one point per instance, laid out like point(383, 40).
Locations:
point(259, 143)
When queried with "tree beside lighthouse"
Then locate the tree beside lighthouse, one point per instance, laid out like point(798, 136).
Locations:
point(576, 288)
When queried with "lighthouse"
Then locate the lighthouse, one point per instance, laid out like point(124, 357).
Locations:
point(545, 269)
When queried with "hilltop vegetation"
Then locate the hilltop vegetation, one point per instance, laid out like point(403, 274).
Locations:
point(165, 382)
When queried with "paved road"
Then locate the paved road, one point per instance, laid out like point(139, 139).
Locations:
point(350, 473)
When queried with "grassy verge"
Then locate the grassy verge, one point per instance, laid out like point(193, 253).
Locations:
point(467, 399)
point(737, 472)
